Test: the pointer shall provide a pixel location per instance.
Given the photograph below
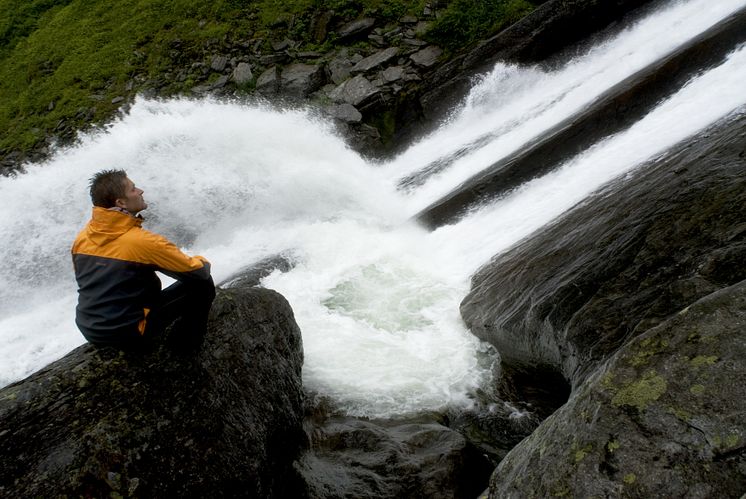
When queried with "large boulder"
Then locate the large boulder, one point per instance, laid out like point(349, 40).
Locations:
point(636, 298)
point(398, 459)
point(222, 421)
point(626, 260)
point(664, 417)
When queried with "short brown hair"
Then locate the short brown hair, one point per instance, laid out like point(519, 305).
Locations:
point(106, 187)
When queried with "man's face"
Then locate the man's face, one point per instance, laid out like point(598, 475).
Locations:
point(132, 200)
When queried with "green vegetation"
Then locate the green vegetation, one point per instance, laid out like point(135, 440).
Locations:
point(63, 61)
point(466, 21)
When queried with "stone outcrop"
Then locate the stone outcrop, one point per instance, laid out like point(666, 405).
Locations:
point(373, 459)
point(664, 417)
point(638, 274)
point(223, 421)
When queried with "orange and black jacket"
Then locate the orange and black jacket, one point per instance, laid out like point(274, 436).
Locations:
point(115, 260)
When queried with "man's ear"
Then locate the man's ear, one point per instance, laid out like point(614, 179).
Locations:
point(120, 203)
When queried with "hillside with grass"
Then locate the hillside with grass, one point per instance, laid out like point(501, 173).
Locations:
point(66, 65)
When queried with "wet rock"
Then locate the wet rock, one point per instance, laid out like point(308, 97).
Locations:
point(339, 69)
point(427, 57)
point(269, 81)
point(360, 27)
point(374, 459)
point(218, 63)
point(637, 299)
point(393, 73)
point(346, 112)
point(223, 421)
point(375, 60)
point(242, 74)
point(662, 418)
point(354, 91)
point(300, 80)
point(320, 24)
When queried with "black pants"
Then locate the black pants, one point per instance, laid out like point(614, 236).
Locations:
point(186, 306)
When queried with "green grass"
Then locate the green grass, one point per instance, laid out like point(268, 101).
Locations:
point(466, 21)
point(63, 61)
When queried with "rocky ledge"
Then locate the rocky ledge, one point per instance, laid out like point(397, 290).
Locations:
point(637, 299)
point(224, 421)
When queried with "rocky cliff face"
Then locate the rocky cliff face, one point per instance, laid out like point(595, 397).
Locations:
point(225, 421)
point(636, 298)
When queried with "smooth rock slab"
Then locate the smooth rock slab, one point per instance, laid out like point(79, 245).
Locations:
point(224, 421)
point(375, 60)
point(664, 417)
point(354, 91)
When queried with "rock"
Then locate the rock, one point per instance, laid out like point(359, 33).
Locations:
point(354, 91)
point(255, 272)
point(662, 418)
point(218, 63)
point(375, 60)
point(269, 81)
point(360, 27)
point(283, 45)
point(346, 112)
point(223, 421)
point(320, 25)
point(339, 69)
point(116, 100)
point(242, 74)
point(220, 82)
point(634, 254)
point(636, 298)
point(300, 80)
point(366, 459)
point(393, 73)
point(427, 56)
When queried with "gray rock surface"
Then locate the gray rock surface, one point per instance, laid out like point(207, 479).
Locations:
point(242, 74)
point(300, 80)
point(224, 421)
point(427, 56)
point(354, 91)
point(664, 417)
point(636, 298)
point(369, 459)
point(375, 60)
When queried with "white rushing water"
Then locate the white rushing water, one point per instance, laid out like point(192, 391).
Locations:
point(376, 296)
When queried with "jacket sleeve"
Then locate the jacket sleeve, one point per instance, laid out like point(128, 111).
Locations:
point(154, 249)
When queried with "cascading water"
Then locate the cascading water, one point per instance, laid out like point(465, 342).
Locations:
point(375, 295)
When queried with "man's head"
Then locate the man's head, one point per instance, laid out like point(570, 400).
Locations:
point(112, 188)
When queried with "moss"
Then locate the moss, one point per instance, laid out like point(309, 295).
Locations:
point(612, 445)
point(641, 392)
point(732, 440)
point(680, 413)
point(581, 454)
point(630, 478)
point(463, 22)
point(646, 349)
point(703, 360)
point(697, 389)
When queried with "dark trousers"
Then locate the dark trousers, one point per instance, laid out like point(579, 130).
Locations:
point(185, 306)
point(180, 310)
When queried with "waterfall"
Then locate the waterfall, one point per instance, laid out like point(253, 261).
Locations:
point(376, 296)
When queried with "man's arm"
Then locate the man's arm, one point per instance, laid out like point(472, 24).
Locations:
point(156, 250)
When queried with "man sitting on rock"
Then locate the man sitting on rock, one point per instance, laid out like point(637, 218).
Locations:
point(120, 301)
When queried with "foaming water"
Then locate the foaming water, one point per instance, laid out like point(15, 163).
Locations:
point(512, 105)
point(238, 184)
point(376, 296)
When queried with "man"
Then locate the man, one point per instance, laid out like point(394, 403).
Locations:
point(120, 301)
